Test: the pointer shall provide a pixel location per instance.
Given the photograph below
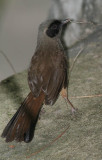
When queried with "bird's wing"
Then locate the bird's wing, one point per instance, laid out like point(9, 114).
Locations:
point(55, 85)
point(48, 75)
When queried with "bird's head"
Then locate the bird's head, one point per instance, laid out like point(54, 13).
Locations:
point(52, 28)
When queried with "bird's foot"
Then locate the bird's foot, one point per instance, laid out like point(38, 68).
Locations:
point(74, 111)
point(74, 114)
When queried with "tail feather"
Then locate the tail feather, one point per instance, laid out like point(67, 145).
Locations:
point(22, 125)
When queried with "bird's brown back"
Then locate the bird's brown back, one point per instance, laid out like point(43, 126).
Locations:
point(48, 72)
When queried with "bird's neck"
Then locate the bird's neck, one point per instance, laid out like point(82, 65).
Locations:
point(49, 44)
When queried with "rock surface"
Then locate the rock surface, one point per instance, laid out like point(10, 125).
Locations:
point(83, 139)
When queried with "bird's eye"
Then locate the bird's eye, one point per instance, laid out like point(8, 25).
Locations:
point(54, 27)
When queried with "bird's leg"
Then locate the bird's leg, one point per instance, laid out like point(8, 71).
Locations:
point(64, 95)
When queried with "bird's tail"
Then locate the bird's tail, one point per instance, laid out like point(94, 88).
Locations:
point(22, 125)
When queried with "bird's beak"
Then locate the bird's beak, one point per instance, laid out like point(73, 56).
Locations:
point(65, 21)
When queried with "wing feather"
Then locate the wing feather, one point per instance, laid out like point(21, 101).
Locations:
point(48, 73)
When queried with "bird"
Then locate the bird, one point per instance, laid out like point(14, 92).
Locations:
point(47, 79)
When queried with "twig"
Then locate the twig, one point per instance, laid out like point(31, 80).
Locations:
point(73, 64)
point(46, 146)
point(90, 96)
point(75, 59)
point(84, 22)
point(5, 56)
